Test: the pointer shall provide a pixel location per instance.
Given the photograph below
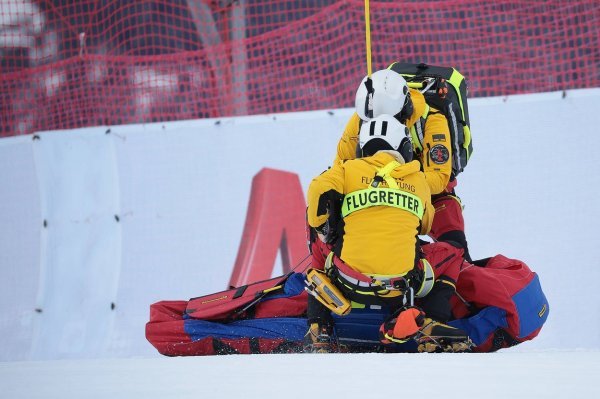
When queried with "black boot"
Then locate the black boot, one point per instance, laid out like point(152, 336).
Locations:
point(319, 337)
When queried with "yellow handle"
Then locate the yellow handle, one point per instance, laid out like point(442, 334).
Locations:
point(271, 289)
point(415, 85)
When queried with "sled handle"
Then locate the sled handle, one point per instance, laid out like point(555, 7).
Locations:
point(259, 295)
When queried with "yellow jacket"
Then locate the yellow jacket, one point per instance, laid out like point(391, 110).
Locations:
point(380, 239)
point(435, 155)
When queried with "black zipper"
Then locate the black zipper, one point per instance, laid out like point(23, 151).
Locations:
point(445, 260)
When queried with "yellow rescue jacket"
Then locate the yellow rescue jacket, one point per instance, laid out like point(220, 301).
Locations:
point(378, 234)
point(431, 144)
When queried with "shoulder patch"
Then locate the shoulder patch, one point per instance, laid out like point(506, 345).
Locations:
point(439, 154)
point(438, 137)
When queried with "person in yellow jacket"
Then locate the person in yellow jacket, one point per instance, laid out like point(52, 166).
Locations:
point(389, 94)
point(407, 213)
point(384, 203)
point(392, 96)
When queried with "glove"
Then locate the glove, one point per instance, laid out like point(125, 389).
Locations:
point(403, 327)
point(441, 87)
point(326, 233)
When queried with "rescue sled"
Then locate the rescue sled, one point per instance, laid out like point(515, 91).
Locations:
point(499, 303)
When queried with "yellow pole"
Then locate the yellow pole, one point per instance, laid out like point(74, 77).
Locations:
point(368, 37)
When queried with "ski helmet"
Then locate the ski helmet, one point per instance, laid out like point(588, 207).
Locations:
point(389, 91)
point(384, 133)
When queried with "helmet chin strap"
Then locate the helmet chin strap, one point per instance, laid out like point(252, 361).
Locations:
point(369, 102)
point(406, 111)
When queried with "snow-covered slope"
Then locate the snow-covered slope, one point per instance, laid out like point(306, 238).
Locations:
point(503, 375)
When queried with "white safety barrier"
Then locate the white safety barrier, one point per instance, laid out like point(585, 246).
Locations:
point(96, 224)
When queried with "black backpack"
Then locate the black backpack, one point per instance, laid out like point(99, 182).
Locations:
point(429, 80)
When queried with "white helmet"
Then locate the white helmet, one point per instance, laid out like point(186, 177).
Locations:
point(389, 94)
point(384, 133)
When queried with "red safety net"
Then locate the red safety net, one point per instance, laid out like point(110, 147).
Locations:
point(73, 63)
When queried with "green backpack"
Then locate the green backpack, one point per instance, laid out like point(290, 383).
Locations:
point(429, 80)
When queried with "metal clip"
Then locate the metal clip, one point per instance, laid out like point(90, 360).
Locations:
point(409, 297)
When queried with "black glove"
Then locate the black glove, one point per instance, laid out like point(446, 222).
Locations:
point(441, 87)
point(327, 233)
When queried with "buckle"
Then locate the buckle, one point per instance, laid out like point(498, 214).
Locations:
point(376, 181)
point(397, 283)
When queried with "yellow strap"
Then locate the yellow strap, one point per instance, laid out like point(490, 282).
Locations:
point(384, 173)
point(455, 79)
point(467, 142)
point(426, 112)
point(328, 262)
point(383, 293)
point(416, 138)
point(272, 289)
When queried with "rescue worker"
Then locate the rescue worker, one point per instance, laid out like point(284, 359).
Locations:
point(383, 202)
point(391, 95)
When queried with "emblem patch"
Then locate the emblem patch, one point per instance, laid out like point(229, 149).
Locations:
point(439, 154)
point(438, 137)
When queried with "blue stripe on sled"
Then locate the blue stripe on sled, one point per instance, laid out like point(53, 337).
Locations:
point(289, 328)
point(360, 324)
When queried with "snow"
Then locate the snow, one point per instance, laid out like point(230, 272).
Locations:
point(526, 190)
point(506, 374)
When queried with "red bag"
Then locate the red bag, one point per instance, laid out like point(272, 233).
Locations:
point(231, 304)
point(505, 304)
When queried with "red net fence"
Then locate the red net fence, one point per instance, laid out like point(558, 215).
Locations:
point(74, 63)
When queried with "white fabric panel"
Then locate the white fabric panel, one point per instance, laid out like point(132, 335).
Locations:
point(81, 252)
point(20, 227)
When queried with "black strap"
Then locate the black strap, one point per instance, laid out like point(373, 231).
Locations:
point(255, 345)
point(370, 92)
point(221, 348)
point(239, 292)
point(348, 289)
point(288, 347)
point(502, 339)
